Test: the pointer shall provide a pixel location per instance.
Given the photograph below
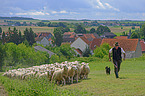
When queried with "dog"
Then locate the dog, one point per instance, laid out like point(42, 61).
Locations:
point(107, 70)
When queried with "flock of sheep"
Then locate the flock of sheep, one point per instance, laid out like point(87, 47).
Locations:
point(65, 72)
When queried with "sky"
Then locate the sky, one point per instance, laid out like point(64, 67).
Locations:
point(74, 9)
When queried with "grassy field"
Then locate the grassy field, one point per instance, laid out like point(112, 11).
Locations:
point(130, 83)
point(36, 29)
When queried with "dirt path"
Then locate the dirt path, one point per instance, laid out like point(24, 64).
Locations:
point(2, 91)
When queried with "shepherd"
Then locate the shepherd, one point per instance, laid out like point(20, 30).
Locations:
point(117, 58)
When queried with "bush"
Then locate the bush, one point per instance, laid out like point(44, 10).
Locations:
point(102, 51)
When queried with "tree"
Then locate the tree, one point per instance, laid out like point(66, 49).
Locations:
point(80, 29)
point(124, 33)
point(67, 51)
point(58, 37)
point(142, 32)
point(134, 35)
point(1, 56)
point(0, 30)
point(101, 29)
point(133, 27)
point(92, 30)
point(3, 38)
point(14, 36)
point(102, 51)
point(29, 36)
point(66, 29)
point(87, 52)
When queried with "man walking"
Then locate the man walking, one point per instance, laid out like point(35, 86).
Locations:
point(117, 59)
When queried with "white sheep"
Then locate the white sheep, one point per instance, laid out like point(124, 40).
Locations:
point(85, 69)
point(71, 73)
point(57, 76)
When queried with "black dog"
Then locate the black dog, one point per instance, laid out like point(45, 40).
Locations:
point(107, 70)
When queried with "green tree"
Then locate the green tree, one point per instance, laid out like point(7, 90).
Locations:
point(102, 51)
point(29, 36)
point(67, 51)
point(142, 32)
point(133, 27)
point(1, 56)
point(124, 33)
point(0, 30)
point(101, 29)
point(92, 30)
point(58, 37)
point(80, 29)
point(66, 29)
point(14, 37)
point(134, 35)
point(4, 38)
point(87, 52)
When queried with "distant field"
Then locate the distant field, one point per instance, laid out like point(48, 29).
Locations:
point(34, 28)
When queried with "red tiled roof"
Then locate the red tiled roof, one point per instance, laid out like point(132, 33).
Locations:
point(39, 38)
point(69, 33)
point(49, 39)
point(121, 37)
point(88, 36)
point(72, 36)
point(79, 51)
point(142, 43)
point(96, 42)
point(126, 44)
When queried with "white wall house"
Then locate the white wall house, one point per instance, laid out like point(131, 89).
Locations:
point(43, 41)
point(80, 43)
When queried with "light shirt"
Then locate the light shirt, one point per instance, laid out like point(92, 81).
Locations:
point(122, 51)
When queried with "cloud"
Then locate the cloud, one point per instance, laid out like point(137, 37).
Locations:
point(63, 11)
point(100, 5)
point(111, 7)
point(55, 12)
point(33, 13)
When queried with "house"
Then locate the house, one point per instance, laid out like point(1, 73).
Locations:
point(81, 43)
point(45, 34)
point(90, 37)
point(142, 45)
point(39, 48)
point(43, 38)
point(108, 35)
point(121, 37)
point(95, 43)
point(69, 37)
point(132, 47)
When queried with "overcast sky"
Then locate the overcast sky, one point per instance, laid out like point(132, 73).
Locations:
point(74, 9)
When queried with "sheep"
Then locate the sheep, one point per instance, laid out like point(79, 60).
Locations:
point(85, 69)
point(71, 73)
point(50, 73)
point(57, 76)
point(60, 75)
point(77, 73)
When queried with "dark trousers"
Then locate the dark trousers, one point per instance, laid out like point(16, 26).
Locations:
point(116, 70)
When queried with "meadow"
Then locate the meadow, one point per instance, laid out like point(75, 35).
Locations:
point(36, 29)
point(130, 83)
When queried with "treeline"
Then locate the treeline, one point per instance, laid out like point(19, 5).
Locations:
point(16, 36)
point(17, 23)
point(16, 18)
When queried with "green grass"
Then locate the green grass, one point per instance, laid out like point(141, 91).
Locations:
point(131, 82)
